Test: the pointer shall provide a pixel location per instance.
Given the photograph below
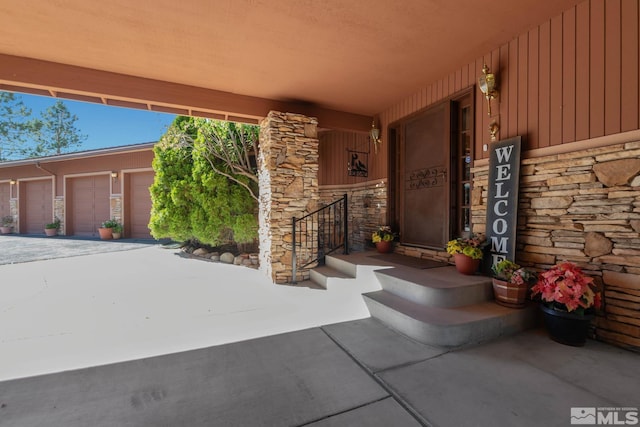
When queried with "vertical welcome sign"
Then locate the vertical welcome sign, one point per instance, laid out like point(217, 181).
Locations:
point(502, 204)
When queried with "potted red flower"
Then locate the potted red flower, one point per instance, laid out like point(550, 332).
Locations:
point(568, 301)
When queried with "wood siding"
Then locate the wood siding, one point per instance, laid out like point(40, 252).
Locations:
point(572, 78)
point(334, 154)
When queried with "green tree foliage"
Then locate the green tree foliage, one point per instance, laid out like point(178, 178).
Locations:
point(190, 200)
point(55, 132)
point(230, 149)
point(15, 126)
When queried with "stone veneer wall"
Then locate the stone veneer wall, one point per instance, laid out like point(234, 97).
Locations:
point(367, 203)
point(13, 211)
point(115, 205)
point(288, 183)
point(583, 207)
point(58, 212)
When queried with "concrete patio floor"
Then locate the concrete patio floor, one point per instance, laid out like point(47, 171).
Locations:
point(147, 338)
point(356, 373)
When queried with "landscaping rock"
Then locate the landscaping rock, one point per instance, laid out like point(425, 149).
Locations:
point(227, 258)
point(215, 256)
point(200, 252)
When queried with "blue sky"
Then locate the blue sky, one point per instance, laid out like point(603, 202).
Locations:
point(107, 126)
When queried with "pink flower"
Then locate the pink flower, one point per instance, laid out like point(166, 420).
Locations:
point(565, 284)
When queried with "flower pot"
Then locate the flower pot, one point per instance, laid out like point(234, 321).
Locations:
point(50, 232)
point(465, 264)
point(6, 230)
point(116, 236)
point(566, 327)
point(105, 233)
point(384, 247)
point(509, 294)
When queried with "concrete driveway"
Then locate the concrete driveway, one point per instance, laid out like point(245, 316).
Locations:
point(26, 248)
point(128, 300)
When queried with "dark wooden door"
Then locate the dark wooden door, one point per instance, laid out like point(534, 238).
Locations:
point(424, 178)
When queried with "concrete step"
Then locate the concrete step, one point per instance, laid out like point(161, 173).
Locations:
point(436, 287)
point(323, 275)
point(448, 327)
point(344, 266)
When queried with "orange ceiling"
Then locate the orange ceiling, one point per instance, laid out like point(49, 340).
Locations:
point(357, 56)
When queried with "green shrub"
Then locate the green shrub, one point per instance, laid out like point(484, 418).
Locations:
point(192, 202)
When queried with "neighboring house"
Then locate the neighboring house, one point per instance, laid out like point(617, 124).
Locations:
point(567, 79)
point(82, 189)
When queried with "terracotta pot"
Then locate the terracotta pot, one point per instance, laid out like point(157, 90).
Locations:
point(105, 233)
point(465, 264)
point(50, 232)
point(508, 294)
point(6, 230)
point(565, 327)
point(384, 247)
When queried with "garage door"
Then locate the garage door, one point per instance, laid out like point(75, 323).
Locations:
point(139, 205)
point(4, 199)
point(38, 205)
point(88, 205)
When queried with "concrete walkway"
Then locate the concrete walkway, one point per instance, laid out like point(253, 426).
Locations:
point(357, 373)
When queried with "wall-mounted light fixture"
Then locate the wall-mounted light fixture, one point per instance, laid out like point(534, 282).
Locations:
point(375, 136)
point(487, 83)
point(12, 181)
point(493, 130)
point(114, 174)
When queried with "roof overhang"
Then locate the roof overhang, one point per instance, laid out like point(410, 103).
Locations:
point(341, 61)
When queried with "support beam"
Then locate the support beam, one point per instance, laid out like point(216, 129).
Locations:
point(19, 74)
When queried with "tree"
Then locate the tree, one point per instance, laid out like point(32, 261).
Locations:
point(190, 199)
point(14, 126)
point(230, 149)
point(55, 132)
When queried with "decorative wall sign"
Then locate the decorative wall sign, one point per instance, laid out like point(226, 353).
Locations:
point(435, 176)
point(358, 163)
point(502, 204)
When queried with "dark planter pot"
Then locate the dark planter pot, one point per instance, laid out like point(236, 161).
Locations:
point(465, 264)
point(566, 328)
point(384, 247)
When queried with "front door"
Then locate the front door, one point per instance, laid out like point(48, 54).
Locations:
point(425, 175)
point(430, 179)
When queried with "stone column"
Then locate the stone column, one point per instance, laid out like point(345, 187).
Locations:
point(288, 180)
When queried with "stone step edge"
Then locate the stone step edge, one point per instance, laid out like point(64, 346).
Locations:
point(320, 275)
point(471, 324)
point(436, 293)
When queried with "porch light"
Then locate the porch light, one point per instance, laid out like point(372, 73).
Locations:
point(12, 181)
point(487, 83)
point(114, 174)
point(375, 136)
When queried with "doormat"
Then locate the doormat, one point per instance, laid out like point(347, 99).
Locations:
point(409, 261)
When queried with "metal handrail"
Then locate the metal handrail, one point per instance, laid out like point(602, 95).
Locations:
point(318, 234)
